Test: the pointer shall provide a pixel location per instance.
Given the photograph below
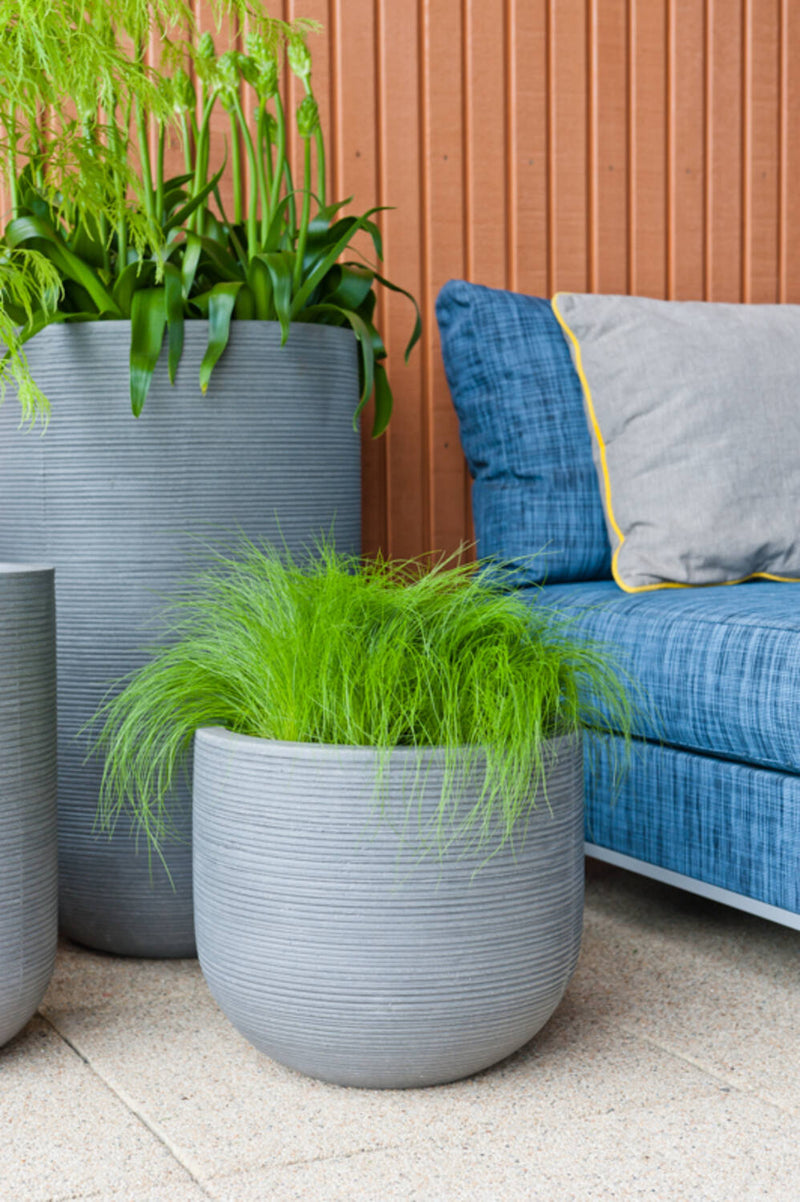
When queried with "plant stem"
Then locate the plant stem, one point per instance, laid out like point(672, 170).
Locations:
point(291, 214)
point(201, 161)
point(280, 157)
point(162, 134)
point(119, 189)
point(256, 178)
point(186, 139)
point(103, 231)
point(319, 142)
point(144, 155)
point(264, 168)
point(36, 153)
point(122, 246)
point(12, 172)
point(305, 215)
point(236, 168)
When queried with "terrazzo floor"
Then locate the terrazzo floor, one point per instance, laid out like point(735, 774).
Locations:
point(670, 1071)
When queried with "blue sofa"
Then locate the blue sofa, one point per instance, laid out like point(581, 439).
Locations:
point(711, 801)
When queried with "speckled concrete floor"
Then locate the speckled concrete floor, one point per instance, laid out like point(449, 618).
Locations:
point(670, 1071)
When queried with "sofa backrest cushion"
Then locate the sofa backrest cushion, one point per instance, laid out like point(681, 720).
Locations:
point(695, 416)
point(535, 499)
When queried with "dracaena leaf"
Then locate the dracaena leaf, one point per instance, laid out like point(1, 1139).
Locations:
point(260, 283)
point(277, 225)
point(350, 285)
point(221, 301)
point(148, 319)
point(416, 333)
point(36, 230)
point(221, 259)
point(87, 244)
point(383, 401)
point(281, 268)
point(191, 258)
point(184, 213)
point(303, 294)
point(173, 303)
point(135, 275)
point(320, 224)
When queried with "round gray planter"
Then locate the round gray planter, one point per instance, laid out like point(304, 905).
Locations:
point(334, 948)
point(124, 509)
point(28, 856)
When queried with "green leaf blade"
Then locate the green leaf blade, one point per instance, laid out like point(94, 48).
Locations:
point(148, 320)
point(353, 225)
point(37, 231)
point(384, 401)
point(281, 270)
point(173, 303)
point(221, 301)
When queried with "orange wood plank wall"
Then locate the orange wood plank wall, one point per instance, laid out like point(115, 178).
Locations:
point(644, 146)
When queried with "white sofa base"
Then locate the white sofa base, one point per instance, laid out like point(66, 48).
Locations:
point(738, 900)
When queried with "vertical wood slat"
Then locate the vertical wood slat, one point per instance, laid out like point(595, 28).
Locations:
point(569, 144)
point(485, 163)
point(356, 174)
point(724, 151)
point(486, 158)
point(528, 228)
point(608, 156)
point(647, 147)
point(686, 182)
point(443, 215)
point(761, 35)
point(407, 440)
point(789, 266)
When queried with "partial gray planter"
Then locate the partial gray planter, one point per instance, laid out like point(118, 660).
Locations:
point(125, 509)
point(28, 856)
point(338, 949)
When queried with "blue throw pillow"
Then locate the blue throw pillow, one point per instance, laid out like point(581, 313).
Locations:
point(524, 433)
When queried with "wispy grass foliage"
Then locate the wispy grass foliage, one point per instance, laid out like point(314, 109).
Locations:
point(382, 654)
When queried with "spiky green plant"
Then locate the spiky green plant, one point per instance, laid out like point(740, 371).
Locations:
point(380, 654)
point(90, 200)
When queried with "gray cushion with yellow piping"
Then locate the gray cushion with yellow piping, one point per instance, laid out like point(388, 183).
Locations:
point(694, 413)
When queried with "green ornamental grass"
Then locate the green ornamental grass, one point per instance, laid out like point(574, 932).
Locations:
point(379, 653)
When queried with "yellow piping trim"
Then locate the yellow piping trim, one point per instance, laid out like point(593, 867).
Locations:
point(587, 392)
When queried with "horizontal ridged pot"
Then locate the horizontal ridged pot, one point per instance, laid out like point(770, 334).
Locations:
point(339, 949)
point(125, 509)
point(28, 851)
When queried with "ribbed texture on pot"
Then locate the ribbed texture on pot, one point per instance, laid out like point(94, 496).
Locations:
point(28, 857)
point(336, 950)
point(124, 508)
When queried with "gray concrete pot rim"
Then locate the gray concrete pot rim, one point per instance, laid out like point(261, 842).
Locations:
point(251, 326)
point(227, 740)
point(24, 569)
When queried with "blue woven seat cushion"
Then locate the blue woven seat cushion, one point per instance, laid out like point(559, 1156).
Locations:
point(728, 824)
point(718, 667)
point(524, 433)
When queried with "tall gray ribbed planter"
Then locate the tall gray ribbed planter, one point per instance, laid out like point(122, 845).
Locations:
point(123, 508)
point(28, 855)
point(336, 950)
